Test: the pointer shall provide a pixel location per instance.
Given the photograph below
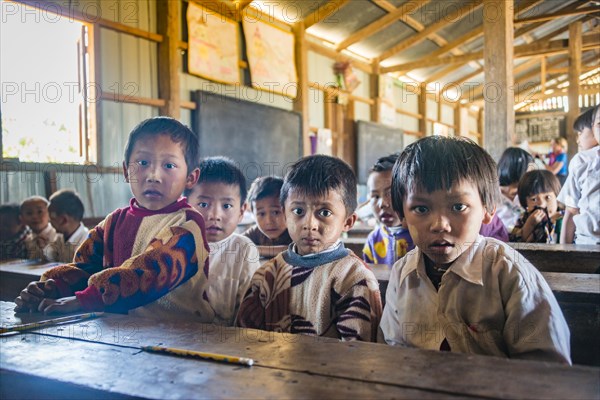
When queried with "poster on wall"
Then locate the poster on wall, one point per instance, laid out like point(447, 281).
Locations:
point(271, 58)
point(213, 46)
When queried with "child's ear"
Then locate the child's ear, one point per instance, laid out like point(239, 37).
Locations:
point(488, 215)
point(192, 178)
point(349, 223)
point(125, 172)
point(242, 211)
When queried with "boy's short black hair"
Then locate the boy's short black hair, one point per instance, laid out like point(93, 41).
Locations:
point(178, 133)
point(12, 210)
point(315, 176)
point(66, 202)
point(265, 186)
point(512, 165)
point(537, 181)
point(385, 163)
point(585, 120)
point(437, 162)
point(221, 170)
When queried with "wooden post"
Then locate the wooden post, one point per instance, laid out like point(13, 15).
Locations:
point(423, 109)
point(543, 75)
point(458, 120)
point(374, 93)
point(498, 62)
point(301, 101)
point(573, 92)
point(168, 18)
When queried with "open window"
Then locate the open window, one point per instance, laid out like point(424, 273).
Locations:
point(45, 64)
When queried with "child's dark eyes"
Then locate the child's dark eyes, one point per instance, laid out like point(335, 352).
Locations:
point(419, 209)
point(202, 204)
point(170, 166)
point(227, 206)
point(142, 162)
point(325, 213)
point(459, 207)
point(260, 214)
point(297, 211)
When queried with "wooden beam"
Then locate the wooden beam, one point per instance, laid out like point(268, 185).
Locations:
point(498, 61)
point(323, 12)
point(575, 50)
point(168, 14)
point(527, 50)
point(397, 14)
point(559, 14)
point(334, 55)
point(543, 74)
point(301, 100)
point(374, 86)
point(443, 22)
point(423, 109)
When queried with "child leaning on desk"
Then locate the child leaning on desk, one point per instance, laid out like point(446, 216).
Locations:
point(152, 253)
point(457, 290)
point(316, 287)
point(220, 196)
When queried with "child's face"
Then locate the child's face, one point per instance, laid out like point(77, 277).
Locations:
point(269, 216)
point(545, 200)
point(34, 213)
point(380, 186)
point(157, 172)
point(10, 226)
point(58, 222)
point(586, 139)
point(316, 223)
point(444, 223)
point(219, 204)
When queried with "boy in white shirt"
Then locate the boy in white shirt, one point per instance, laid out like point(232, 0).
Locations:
point(34, 213)
point(581, 192)
point(457, 290)
point(66, 213)
point(220, 196)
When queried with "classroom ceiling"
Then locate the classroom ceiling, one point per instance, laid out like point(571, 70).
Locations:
point(401, 35)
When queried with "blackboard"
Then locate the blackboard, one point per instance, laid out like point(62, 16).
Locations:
point(374, 141)
point(263, 140)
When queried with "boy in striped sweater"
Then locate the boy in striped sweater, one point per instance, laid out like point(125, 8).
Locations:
point(317, 286)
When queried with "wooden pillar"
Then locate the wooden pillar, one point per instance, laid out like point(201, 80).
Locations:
point(301, 101)
point(543, 75)
point(349, 135)
point(374, 87)
point(423, 109)
point(498, 67)
point(573, 92)
point(168, 20)
point(458, 120)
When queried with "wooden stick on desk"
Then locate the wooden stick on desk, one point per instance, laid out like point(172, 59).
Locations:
point(199, 354)
point(49, 322)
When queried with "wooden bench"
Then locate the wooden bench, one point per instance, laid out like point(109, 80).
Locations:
point(576, 258)
point(101, 358)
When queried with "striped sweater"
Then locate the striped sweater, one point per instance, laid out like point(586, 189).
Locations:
point(138, 257)
point(330, 294)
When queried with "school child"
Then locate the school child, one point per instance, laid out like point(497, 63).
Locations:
point(513, 164)
point(541, 221)
point(34, 213)
point(270, 232)
point(390, 240)
point(583, 128)
point(13, 233)
point(220, 196)
point(581, 194)
point(151, 257)
point(66, 212)
point(457, 290)
point(557, 159)
point(316, 287)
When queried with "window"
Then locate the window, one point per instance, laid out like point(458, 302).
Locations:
point(44, 73)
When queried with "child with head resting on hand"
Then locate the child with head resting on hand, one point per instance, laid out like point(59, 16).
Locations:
point(149, 258)
point(317, 286)
point(457, 290)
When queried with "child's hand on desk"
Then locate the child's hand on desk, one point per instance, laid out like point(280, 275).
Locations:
point(29, 299)
point(61, 306)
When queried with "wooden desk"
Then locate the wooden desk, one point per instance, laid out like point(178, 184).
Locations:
point(575, 258)
point(16, 274)
point(99, 358)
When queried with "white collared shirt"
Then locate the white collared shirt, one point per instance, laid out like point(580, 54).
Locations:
point(491, 301)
